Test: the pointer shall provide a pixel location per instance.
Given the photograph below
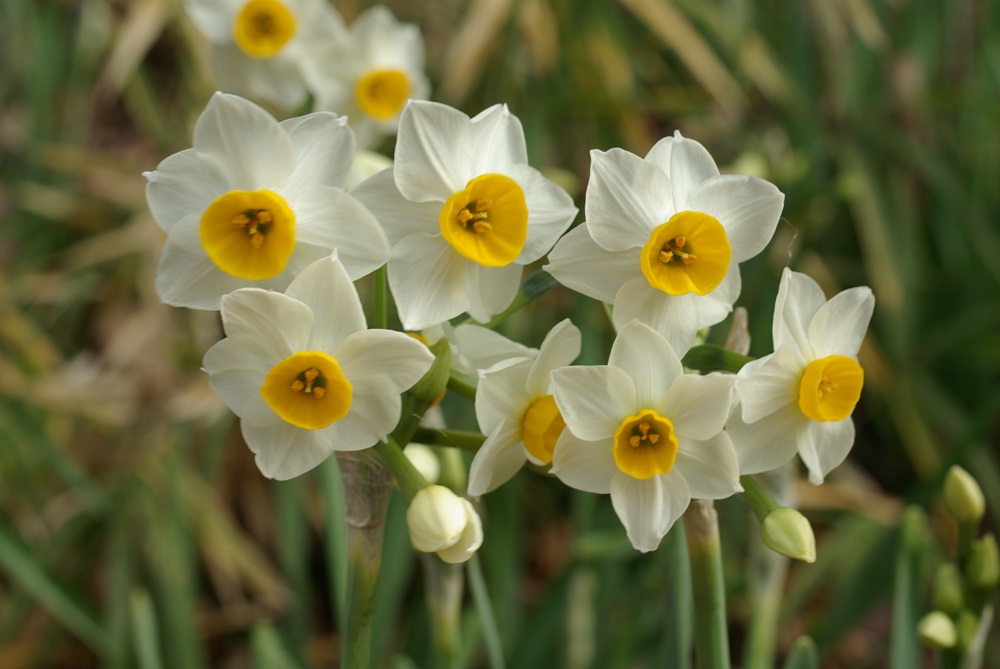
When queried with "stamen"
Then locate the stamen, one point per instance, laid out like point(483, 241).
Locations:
point(482, 205)
point(464, 216)
point(481, 227)
point(653, 438)
point(633, 441)
point(675, 249)
point(666, 256)
point(311, 381)
point(241, 220)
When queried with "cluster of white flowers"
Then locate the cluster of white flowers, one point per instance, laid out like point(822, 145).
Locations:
point(259, 206)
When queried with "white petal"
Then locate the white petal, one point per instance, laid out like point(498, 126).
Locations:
point(370, 420)
point(550, 211)
point(501, 395)
point(185, 276)
point(560, 348)
point(271, 325)
point(214, 18)
point(717, 305)
point(770, 383)
point(433, 151)
point(246, 140)
point(690, 166)
point(649, 508)
point(492, 289)
point(329, 218)
point(839, 326)
point(626, 198)
point(399, 217)
point(475, 348)
point(799, 298)
point(594, 400)
point(649, 361)
point(183, 184)
point(382, 362)
point(497, 141)
point(497, 460)
point(824, 445)
point(429, 281)
point(386, 41)
point(698, 406)
point(326, 289)
point(584, 465)
point(766, 444)
point(279, 80)
point(659, 155)
point(709, 466)
point(574, 258)
point(673, 316)
point(323, 144)
point(283, 451)
point(748, 208)
point(236, 369)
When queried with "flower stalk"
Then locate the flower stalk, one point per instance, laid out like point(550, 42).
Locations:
point(711, 638)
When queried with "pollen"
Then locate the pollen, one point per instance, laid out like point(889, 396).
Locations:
point(645, 445)
point(487, 222)
point(690, 253)
point(308, 390)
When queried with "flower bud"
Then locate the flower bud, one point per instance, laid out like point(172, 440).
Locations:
point(967, 625)
point(442, 522)
point(788, 532)
point(434, 383)
point(983, 566)
point(937, 630)
point(948, 595)
point(424, 460)
point(963, 497)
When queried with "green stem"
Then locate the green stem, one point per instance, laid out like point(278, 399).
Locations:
point(409, 480)
point(491, 634)
point(701, 524)
point(714, 358)
point(461, 439)
point(760, 502)
point(678, 623)
point(381, 318)
point(461, 385)
point(367, 490)
point(443, 583)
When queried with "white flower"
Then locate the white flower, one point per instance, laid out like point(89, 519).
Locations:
point(800, 397)
point(305, 376)
point(642, 430)
point(441, 522)
point(668, 232)
point(256, 201)
point(267, 49)
point(516, 410)
point(474, 348)
point(370, 75)
point(463, 212)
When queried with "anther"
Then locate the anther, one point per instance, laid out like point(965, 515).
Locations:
point(482, 205)
point(653, 438)
point(633, 441)
point(481, 226)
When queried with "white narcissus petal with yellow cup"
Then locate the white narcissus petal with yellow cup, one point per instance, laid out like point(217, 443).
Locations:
point(463, 211)
point(516, 410)
point(304, 374)
point(671, 232)
point(644, 432)
point(256, 201)
point(800, 398)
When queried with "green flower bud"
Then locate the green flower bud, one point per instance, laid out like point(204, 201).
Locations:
point(432, 386)
point(983, 566)
point(948, 595)
point(788, 532)
point(936, 630)
point(967, 625)
point(441, 522)
point(963, 497)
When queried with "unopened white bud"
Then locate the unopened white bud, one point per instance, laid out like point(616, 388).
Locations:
point(442, 522)
point(788, 532)
point(937, 630)
point(424, 460)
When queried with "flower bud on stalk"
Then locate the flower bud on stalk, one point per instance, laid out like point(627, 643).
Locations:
point(963, 497)
point(441, 522)
point(936, 630)
point(788, 532)
point(948, 595)
point(434, 383)
point(983, 566)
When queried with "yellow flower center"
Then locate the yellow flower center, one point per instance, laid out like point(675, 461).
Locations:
point(263, 27)
point(382, 93)
point(249, 234)
point(488, 221)
point(830, 388)
point(308, 390)
point(645, 445)
point(540, 428)
point(688, 254)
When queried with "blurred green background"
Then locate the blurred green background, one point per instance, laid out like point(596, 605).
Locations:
point(135, 530)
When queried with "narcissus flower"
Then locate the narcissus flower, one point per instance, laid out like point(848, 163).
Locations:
point(668, 233)
point(441, 522)
point(370, 75)
point(267, 49)
point(304, 374)
point(463, 212)
point(800, 398)
point(516, 410)
point(474, 348)
point(645, 432)
point(256, 201)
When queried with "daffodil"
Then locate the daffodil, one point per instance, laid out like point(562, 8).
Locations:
point(464, 213)
point(800, 398)
point(668, 233)
point(516, 410)
point(474, 348)
point(642, 430)
point(304, 374)
point(370, 75)
point(267, 49)
point(256, 201)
